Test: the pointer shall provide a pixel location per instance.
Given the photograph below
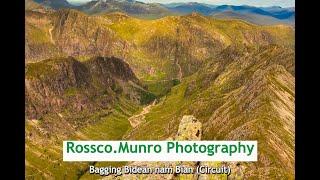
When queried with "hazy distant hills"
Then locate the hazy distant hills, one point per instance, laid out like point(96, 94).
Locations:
point(253, 18)
point(127, 6)
point(205, 9)
point(257, 15)
point(55, 4)
point(187, 8)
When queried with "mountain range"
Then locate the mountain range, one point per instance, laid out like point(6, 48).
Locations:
point(116, 76)
point(257, 15)
point(55, 4)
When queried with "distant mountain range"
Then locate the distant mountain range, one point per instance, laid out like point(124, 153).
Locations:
point(55, 4)
point(256, 15)
point(253, 18)
point(127, 6)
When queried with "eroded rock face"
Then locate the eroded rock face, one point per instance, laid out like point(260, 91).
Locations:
point(57, 84)
point(79, 35)
point(68, 32)
point(189, 129)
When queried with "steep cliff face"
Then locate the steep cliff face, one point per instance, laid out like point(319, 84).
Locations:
point(40, 43)
point(70, 33)
point(58, 84)
point(81, 35)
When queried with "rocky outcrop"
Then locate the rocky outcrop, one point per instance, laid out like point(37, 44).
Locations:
point(189, 129)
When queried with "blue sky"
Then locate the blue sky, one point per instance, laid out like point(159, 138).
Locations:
point(259, 3)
